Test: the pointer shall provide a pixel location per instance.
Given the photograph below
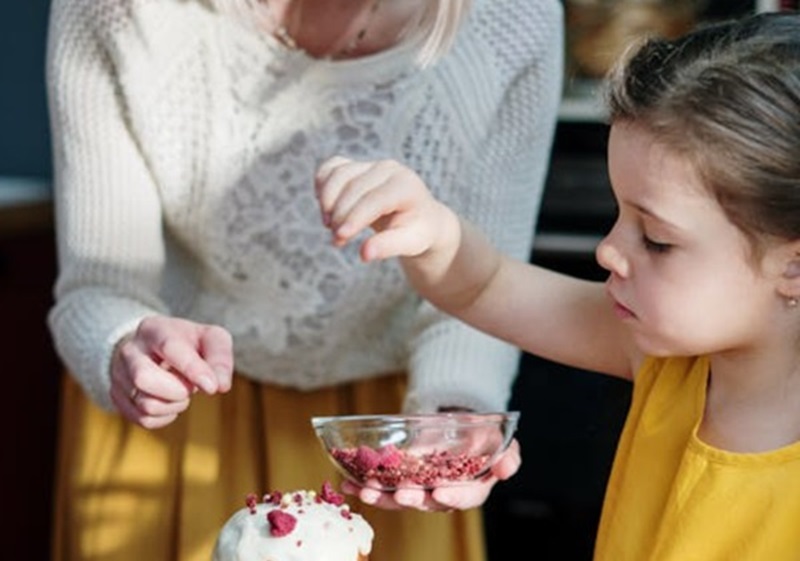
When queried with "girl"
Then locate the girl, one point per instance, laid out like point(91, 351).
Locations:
point(700, 309)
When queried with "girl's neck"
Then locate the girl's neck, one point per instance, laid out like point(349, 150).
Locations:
point(752, 405)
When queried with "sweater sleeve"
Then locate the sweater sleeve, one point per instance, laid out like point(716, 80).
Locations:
point(453, 364)
point(108, 218)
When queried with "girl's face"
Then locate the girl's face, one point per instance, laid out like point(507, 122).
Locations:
point(680, 276)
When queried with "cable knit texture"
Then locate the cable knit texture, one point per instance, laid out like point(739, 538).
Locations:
point(185, 145)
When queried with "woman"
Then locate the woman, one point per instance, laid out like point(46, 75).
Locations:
point(187, 134)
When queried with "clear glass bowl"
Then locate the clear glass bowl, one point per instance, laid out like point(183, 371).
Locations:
point(388, 452)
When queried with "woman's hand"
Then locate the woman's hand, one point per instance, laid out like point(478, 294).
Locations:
point(443, 499)
point(156, 370)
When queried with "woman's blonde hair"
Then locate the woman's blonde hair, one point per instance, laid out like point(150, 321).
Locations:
point(434, 35)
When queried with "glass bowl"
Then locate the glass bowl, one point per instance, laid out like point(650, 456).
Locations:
point(388, 452)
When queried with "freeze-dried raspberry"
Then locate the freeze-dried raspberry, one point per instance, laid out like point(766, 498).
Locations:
point(280, 523)
point(251, 500)
point(366, 458)
point(390, 456)
point(273, 498)
point(328, 495)
point(390, 466)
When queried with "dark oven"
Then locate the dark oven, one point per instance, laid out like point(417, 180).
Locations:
point(570, 418)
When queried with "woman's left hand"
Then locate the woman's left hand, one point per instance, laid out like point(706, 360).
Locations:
point(443, 499)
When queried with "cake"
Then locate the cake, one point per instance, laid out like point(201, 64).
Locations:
point(298, 525)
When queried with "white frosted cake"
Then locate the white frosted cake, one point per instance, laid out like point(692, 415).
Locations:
point(295, 526)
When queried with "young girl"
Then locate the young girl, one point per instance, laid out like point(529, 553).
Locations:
point(700, 309)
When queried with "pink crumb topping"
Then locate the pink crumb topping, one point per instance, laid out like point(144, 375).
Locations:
point(330, 496)
point(390, 466)
point(251, 500)
point(280, 523)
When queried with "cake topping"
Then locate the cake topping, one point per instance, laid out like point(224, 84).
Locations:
point(280, 523)
point(330, 496)
point(299, 525)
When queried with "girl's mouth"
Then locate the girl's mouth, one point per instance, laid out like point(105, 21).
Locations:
point(621, 311)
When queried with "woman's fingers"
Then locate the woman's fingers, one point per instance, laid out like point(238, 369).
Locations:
point(141, 373)
point(216, 348)
point(156, 370)
point(201, 354)
point(459, 496)
point(145, 410)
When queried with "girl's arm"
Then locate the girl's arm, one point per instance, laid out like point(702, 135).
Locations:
point(454, 266)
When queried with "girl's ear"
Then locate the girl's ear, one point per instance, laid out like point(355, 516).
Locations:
point(790, 253)
point(789, 285)
point(792, 268)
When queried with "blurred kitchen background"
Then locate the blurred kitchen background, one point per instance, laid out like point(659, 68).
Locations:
point(570, 419)
point(29, 369)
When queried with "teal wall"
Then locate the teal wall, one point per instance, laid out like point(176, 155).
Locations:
point(24, 131)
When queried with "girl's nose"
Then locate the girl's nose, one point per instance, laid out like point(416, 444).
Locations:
point(610, 258)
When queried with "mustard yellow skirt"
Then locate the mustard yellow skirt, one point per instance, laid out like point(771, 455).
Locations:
point(124, 493)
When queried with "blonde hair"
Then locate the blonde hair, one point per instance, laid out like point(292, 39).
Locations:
point(434, 34)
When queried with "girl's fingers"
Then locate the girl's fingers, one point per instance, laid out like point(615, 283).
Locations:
point(392, 243)
point(369, 180)
point(332, 178)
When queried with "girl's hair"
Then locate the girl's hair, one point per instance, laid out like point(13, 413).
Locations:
point(434, 34)
point(726, 96)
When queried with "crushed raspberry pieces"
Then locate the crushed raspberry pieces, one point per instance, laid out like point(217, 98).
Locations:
point(280, 523)
point(328, 495)
point(390, 466)
point(367, 458)
point(346, 514)
point(273, 498)
point(251, 500)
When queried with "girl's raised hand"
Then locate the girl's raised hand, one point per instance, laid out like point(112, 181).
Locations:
point(384, 195)
point(156, 370)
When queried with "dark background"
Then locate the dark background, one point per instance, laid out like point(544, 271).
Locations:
point(28, 366)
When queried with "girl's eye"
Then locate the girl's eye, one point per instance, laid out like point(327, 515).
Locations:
point(655, 246)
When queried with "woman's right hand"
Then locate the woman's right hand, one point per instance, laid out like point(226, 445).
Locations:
point(156, 370)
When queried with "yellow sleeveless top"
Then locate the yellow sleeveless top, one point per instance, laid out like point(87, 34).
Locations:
point(671, 497)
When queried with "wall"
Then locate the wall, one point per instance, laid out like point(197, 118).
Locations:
point(24, 134)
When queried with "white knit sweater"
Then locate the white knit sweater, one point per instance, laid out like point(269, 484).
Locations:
point(185, 146)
